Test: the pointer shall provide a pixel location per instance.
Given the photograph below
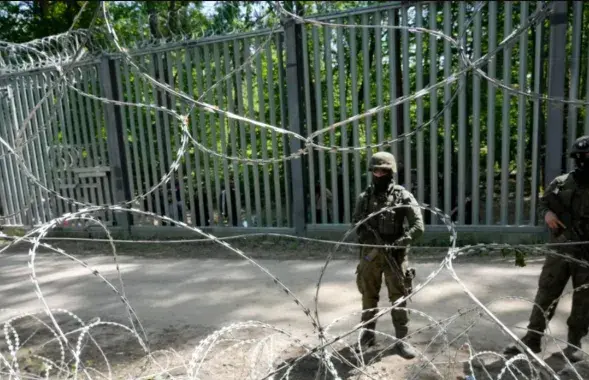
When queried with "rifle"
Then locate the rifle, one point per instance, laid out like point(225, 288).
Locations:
point(407, 277)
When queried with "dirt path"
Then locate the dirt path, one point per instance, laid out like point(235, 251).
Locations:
point(180, 301)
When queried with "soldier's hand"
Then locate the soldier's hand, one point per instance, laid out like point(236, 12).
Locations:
point(552, 221)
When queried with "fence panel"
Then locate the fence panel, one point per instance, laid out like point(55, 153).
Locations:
point(242, 75)
point(58, 144)
point(452, 131)
point(474, 146)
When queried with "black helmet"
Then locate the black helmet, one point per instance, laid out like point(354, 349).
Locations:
point(580, 146)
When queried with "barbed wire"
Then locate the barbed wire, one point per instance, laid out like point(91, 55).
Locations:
point(321, 342)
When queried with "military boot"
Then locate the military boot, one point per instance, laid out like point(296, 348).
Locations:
point(403, 348)
point(571, 351)
point(532, 340)
point(367, 338)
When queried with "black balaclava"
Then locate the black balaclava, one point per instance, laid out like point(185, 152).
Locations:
point(582, 169)
point(381, 184)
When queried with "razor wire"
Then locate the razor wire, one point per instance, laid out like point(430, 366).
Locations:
point(324, 350)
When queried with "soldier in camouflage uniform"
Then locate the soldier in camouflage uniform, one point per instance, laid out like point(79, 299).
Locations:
point(386, 228)
point(565, 209)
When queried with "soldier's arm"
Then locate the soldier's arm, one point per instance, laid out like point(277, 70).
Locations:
point(544, 204)
point(414, 217)
point(362, 231)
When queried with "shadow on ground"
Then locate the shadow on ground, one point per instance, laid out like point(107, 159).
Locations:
point(521, 369)
point(383, 363)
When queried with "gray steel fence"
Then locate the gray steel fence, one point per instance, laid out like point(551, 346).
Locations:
point(479, 148)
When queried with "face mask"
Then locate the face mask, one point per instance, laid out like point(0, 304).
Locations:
point(381, 183)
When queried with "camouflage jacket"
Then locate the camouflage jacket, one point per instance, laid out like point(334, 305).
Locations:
point(570, 202)
point(388, 225)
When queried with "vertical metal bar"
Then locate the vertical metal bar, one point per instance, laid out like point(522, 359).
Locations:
point(275, 149)
point(538, 73)
point(392, 43)
point(6, 182)
point(164, 135)
point(162, 209)
point(521, 135)
point(433, 78)
point(143, 129)
point(26, 201)
point(100, 132)
point(556, 77)
point(319, 108)
point(252, 129)
point(419, 111)
point(447, 113)
point(283, 120)
point(200, 88)
point(235, 197)
point(378, 64)
point(476, 124)
point(222, 125)
point(8, 162)
point(505, 125)
point(212, 124)
point(358, 185)
point(295, 97)
point(115, 136)
point(138, 188)
point(491, 71)
point(264, 139)
point(311, 152)
point(366, 87)
point(243, 142)
point(330, 121)
point(79, 126)
point(46, 120)
point(461, 123)
point(185, 70)
point(124, 132)
point(38, 154)
point(36, 165)
point(406, 91)
point(8, 111)
point(575, 66)
point(72, 126)
point(50, 143)
point(69, 97)
point(32, 199)
point(172, 127)
point(199, 219)
point(90, 129)
point(343, 116)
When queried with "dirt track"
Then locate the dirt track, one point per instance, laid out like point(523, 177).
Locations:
point(180, 301)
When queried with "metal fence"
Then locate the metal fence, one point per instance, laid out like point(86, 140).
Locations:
point(482, 152)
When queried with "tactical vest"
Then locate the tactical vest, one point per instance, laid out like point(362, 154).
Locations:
point(388, 224)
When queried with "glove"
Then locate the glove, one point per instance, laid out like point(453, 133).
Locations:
point(403, 241)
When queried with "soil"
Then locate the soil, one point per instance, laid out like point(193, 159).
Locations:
point(183, 293)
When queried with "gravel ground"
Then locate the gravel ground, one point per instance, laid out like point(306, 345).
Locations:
point(184, 292)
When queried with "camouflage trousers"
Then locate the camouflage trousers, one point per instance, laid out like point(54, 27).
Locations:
point(554, 276)
point(369, 273)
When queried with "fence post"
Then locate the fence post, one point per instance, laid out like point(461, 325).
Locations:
point(556, 78)
point(115, 137)
point(294, 94)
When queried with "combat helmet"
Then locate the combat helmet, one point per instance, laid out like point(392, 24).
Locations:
point(383, 160)
point(580, 146)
